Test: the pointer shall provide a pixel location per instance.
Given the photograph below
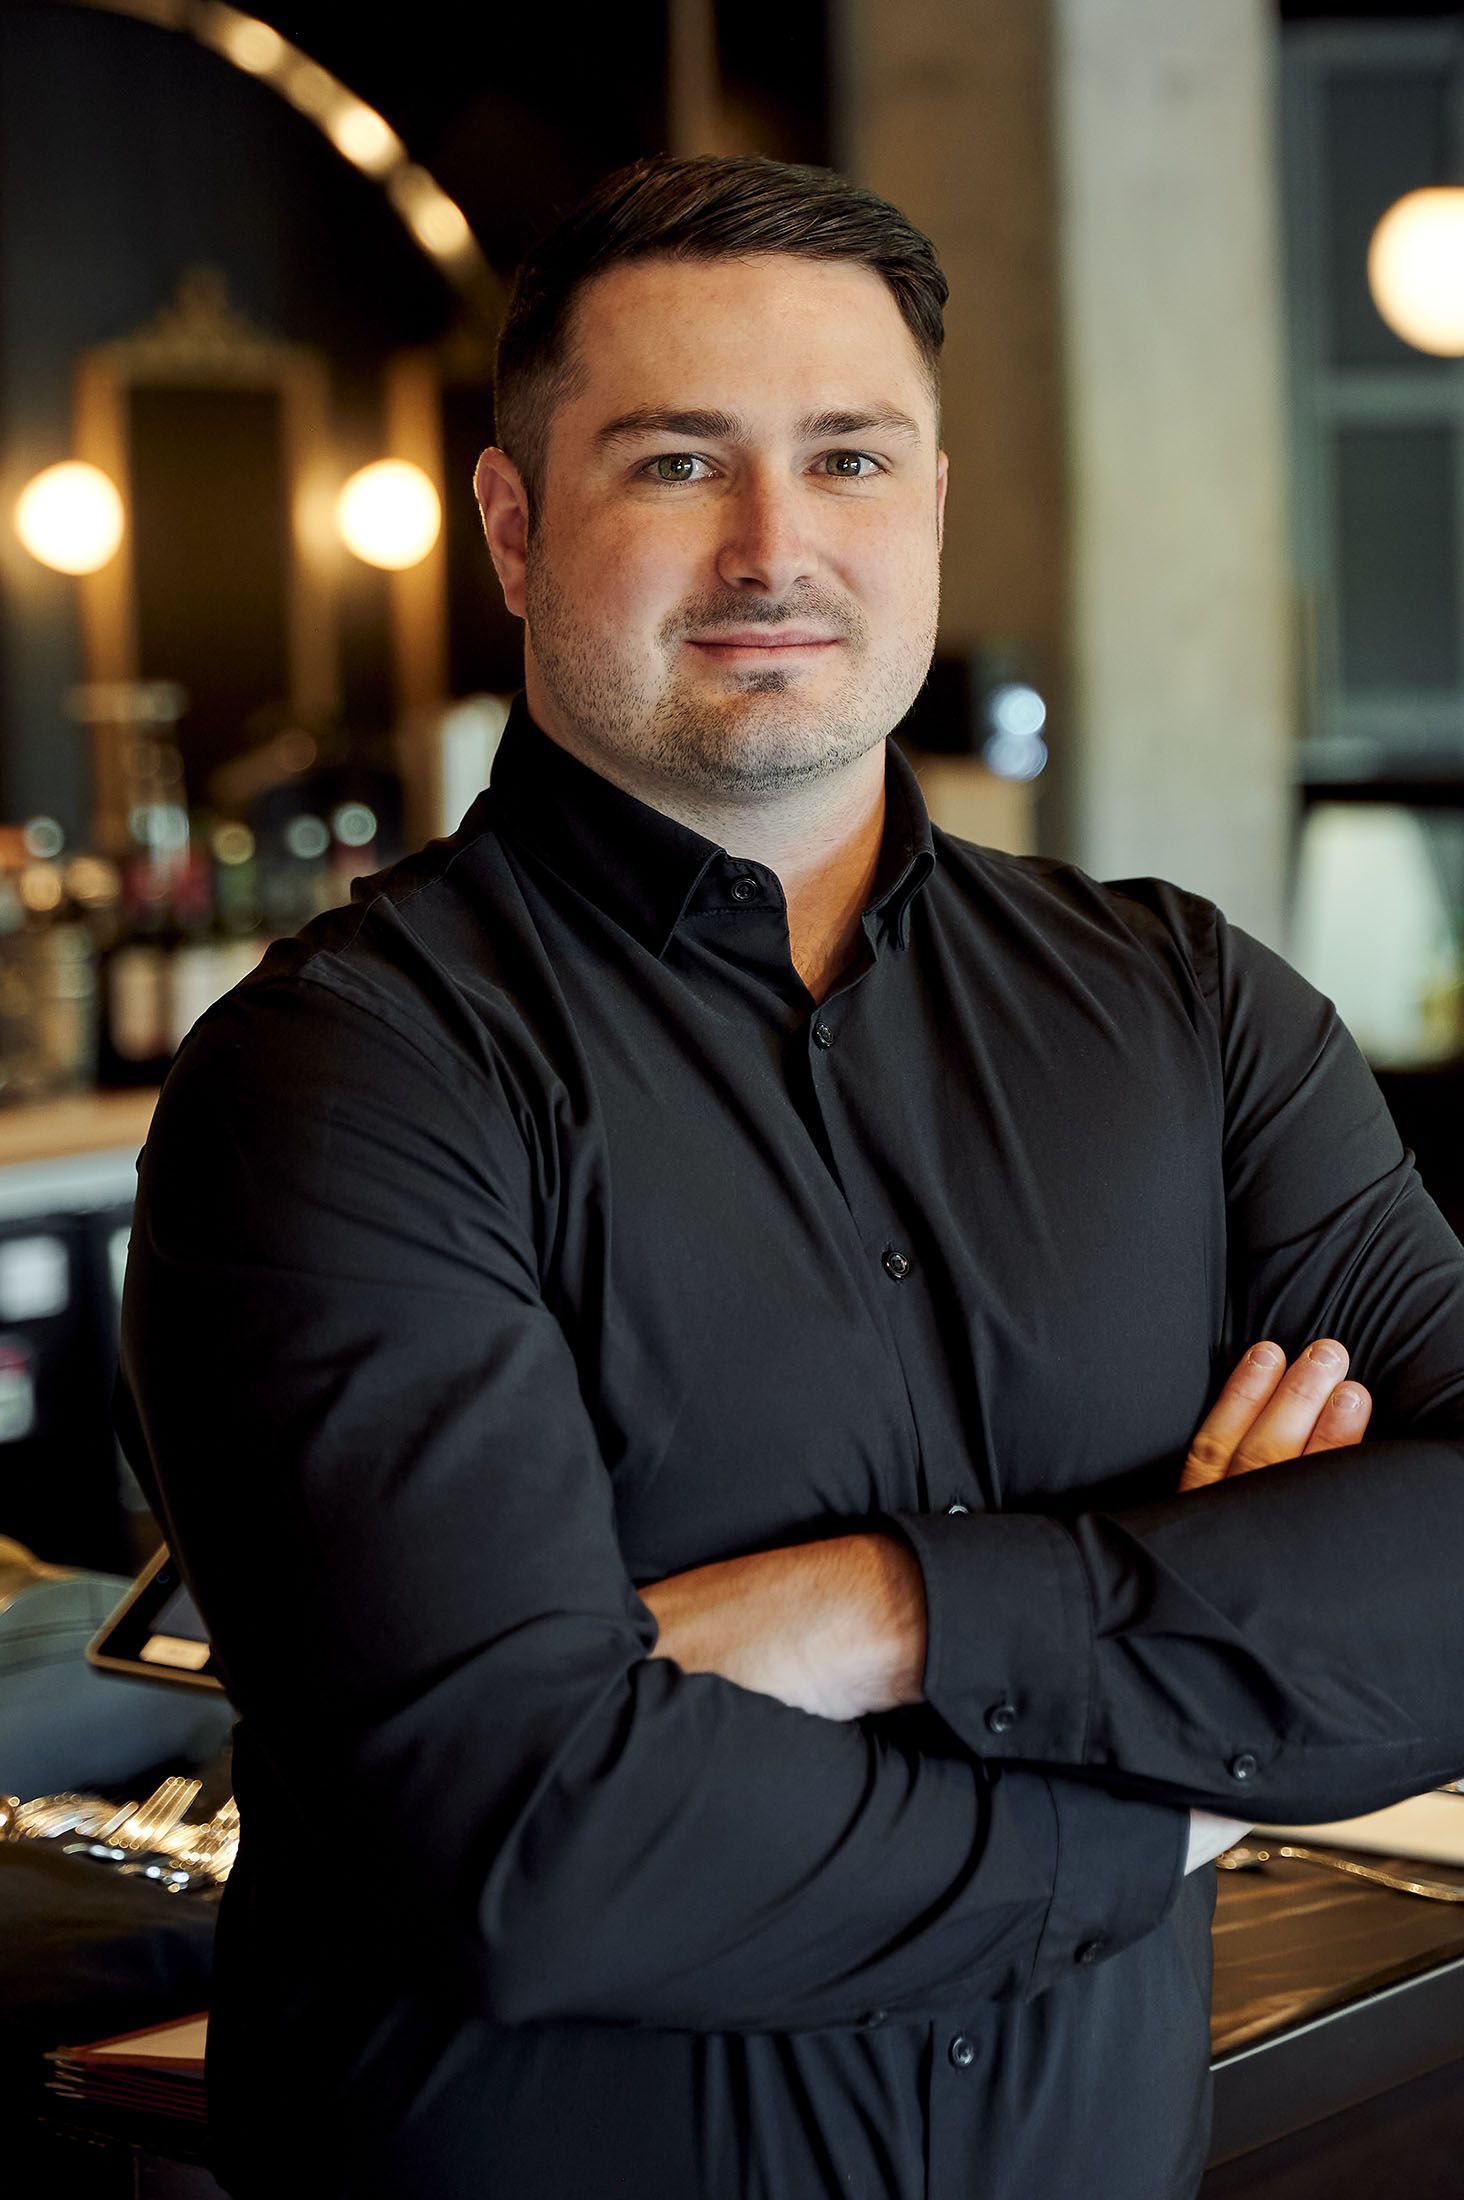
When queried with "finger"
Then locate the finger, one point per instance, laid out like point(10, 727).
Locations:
point(1285, 1424)
point(1343, 1419)
point(1247, 1389)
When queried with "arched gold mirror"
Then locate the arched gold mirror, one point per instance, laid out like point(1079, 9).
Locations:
point(224, 282)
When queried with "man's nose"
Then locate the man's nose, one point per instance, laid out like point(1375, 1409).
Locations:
point(766, 543)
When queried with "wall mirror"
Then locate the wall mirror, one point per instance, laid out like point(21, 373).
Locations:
point(223, 281)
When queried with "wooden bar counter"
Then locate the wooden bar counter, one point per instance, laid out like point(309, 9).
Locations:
point(1338, 2032)
point(71, 1154)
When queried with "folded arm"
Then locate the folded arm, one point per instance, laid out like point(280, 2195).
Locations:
point(1288, 1644)
point(840, 1627)
point(340, 1374)
point(1291, 1643)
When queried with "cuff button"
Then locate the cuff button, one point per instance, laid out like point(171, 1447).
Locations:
point(1091, 1950)
point(1243, 1767)
point(1002, 1717)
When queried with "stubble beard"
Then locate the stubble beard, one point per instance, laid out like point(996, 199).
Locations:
point(720, 746)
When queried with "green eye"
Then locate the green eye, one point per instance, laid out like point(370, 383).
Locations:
point(676, 466)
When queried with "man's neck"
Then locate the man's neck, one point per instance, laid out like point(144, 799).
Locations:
point(825, 854)
point(822, 842)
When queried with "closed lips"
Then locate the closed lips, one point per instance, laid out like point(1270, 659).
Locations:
point(796, 639)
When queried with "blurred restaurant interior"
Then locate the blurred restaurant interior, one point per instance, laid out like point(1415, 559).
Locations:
point(1202, 617)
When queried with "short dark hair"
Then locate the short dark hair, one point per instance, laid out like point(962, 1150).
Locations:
point(701, 208)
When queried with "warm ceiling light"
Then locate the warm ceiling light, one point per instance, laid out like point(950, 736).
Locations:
point(367, 140)
point(438, 224)
point(356, 130)
point(310, 88)
point(1415, 270)
point(389, 514)
point(245, 41)
point(70, 517)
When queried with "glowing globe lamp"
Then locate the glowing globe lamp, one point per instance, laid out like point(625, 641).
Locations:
point(389, 514)
point(1415, 270)
point(70, 517)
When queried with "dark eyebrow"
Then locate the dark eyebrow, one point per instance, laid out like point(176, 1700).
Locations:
point(722, 427)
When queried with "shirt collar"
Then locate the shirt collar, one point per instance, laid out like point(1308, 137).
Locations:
point(642, 867)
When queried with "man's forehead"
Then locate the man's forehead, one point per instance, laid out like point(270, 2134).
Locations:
point(797, 292)
point(750, 334)
point(688, 271)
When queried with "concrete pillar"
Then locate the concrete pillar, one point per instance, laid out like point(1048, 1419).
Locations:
point(1181, 695)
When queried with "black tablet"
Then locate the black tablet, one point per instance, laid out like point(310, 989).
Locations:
point(156, 1633)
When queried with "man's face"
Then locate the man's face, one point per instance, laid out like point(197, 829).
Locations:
point(732, 581)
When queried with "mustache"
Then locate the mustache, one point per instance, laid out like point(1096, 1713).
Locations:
point(713, 613)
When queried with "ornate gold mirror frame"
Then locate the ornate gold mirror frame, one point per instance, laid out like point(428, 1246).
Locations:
point(201, 343)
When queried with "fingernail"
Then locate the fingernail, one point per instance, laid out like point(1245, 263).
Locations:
point(1325, 1355)
point(1347, 1401)
point(1265, 1355)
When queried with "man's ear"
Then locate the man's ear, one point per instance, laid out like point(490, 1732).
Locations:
point(942, 471)
point(504, 504)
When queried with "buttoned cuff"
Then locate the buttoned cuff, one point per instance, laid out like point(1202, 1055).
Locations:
point(1119, 1868)
point(1009, 1649)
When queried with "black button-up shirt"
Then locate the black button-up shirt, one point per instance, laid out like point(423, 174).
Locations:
point(524, 1233)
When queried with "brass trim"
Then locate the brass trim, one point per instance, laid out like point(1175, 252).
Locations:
point(202, 342)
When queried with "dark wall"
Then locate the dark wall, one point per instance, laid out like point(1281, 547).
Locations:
point(516, 110)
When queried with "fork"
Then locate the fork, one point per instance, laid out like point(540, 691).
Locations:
point(1242, 1857)
point(156, 1818)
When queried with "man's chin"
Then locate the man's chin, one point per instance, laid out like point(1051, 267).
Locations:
point(749, 754)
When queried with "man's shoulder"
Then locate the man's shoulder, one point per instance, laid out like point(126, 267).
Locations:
point(420, 957)
point(1061, 897)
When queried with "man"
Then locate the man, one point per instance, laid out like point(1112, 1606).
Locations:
point(681, 1344)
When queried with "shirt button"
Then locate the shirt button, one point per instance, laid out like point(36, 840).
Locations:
point(1243, 1767)
point(1091, 1950)
point(958, 1508)
point(962, 2052)
point(744, 889)
point(1002, 1717)
point(876, 2016)
point(823, 1034)
point(896, 1265)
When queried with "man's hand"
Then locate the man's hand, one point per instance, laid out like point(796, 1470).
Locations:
point(836, 1628)
point(1265, 1413)
point(1269, 1411)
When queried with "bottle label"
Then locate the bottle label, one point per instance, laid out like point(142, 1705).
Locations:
point(197, 976)
point(139, 1025)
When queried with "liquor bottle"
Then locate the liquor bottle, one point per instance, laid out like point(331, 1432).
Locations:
point(18, 1078)
point(239, 932)
point(191, 976)
point(48, 1016)
point(322, 827)
point(63, 968)
point(135, 1044)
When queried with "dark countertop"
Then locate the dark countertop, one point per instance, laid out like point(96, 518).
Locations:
point(1338, 2033)
point(1294, 1941)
